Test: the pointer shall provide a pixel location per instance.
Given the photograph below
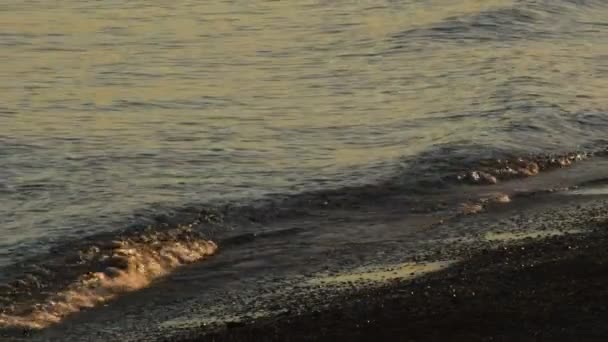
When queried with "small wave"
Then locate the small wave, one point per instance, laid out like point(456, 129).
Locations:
point(119, 267)
point(85, 273)
point(494, 170)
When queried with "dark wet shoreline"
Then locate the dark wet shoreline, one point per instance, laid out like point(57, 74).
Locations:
point(273, 273)
point(545, 290)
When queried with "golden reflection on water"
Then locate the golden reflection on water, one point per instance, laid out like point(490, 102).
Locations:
point(273, 61)
point(224, 92)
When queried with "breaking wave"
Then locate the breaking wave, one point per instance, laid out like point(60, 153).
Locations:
point(82, 274)
point(119, 267)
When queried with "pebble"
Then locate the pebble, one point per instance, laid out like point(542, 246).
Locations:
point(471, 208)
point(502, 198)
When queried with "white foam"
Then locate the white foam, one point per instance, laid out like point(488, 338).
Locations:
point(143, 264)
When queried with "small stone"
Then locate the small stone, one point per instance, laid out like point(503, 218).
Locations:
point(502, 198)
point(471, 208)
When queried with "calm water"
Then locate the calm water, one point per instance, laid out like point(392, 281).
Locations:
point(114, 109)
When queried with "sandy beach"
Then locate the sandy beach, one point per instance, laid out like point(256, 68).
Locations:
point(553, 289)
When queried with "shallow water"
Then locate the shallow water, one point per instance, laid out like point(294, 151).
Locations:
point(399, 271)
point(119, 113)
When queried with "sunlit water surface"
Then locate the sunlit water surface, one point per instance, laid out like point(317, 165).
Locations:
point(114, 109)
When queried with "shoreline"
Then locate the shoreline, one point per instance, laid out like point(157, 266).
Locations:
point(551, 289)
point(414, 279)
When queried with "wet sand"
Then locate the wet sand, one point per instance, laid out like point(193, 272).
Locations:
point(552, 289)
point(526, 269)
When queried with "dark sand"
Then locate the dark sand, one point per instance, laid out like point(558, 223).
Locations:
point(518, 289)
point(554, 289)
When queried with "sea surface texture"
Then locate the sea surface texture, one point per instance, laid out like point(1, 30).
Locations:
point(121, 115)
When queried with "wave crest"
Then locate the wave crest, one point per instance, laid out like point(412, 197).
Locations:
point(123, 266)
